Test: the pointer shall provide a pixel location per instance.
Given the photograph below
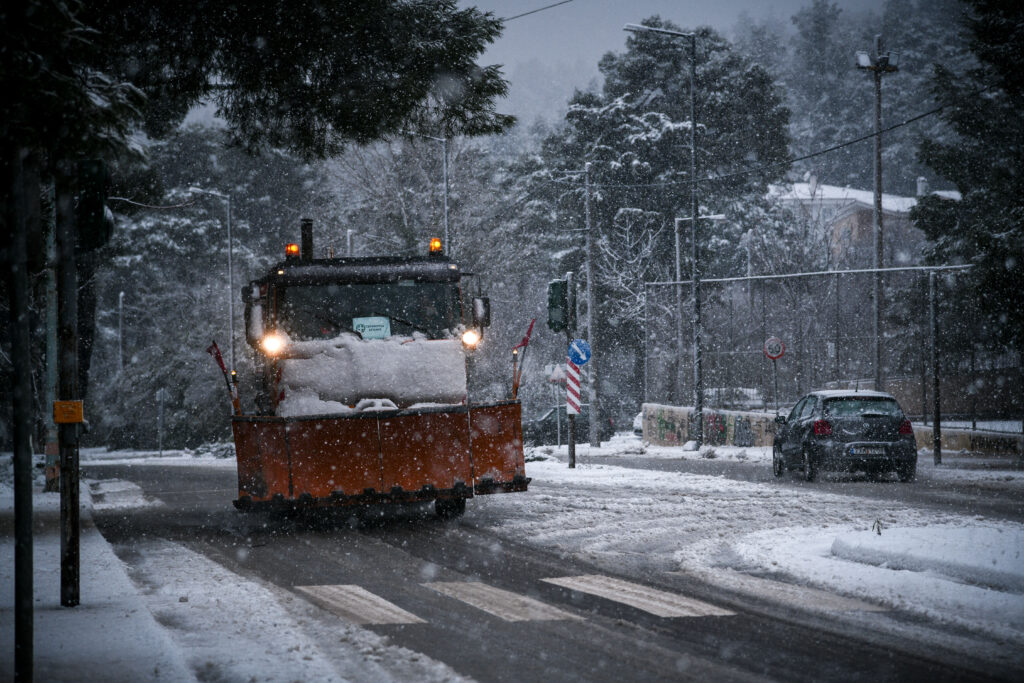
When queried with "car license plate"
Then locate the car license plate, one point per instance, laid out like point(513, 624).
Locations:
point(867, 450)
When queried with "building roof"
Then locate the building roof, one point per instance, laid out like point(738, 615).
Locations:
point(848, 198)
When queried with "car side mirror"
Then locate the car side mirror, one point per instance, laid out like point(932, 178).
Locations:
point(780, 419)
point(481, 312)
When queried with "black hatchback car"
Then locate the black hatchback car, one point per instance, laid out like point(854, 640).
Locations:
point(845, 431)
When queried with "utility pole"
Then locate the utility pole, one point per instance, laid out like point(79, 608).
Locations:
point(595, 408)
point(67, 386)
point(120, 332)
point(52, 450)
point(679, 311)
point(936, 396)
point(698, 377)
point(878, 64)
point(19, 192)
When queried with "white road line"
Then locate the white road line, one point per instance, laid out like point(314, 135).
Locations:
point(651, 600)
point(358, 605)
point(501, 603)
point(784, 593)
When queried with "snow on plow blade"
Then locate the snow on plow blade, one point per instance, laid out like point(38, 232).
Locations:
point(379, 457)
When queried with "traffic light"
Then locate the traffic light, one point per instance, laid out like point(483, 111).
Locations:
point(558, 305)
point(94, 221)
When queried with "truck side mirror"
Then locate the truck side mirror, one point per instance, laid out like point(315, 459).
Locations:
point(253, 315)
point(780, 419)
point(481, 312)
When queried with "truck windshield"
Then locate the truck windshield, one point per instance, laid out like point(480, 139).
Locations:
point(374, 311)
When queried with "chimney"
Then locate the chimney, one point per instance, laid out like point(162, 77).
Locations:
point(922, 186)
point(307, 239)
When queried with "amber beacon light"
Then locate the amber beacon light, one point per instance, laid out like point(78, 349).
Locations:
point(435, 245)
point(291, 250)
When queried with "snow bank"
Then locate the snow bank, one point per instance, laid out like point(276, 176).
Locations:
point(990, 556)
point(941, 588)
point(327, 376)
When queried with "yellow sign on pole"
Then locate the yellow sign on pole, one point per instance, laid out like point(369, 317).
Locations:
point(68, 412)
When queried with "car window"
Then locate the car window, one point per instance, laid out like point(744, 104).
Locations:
point(808, 409)
point(853, 406)
point(796, 410)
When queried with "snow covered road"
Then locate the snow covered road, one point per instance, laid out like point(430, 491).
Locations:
point(842, 578)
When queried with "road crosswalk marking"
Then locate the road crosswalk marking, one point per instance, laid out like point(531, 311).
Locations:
point(785, 593)
point(501, 603)
point(657, 602)
point(358, 605)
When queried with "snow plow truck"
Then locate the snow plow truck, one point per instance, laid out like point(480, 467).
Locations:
point(363, 394)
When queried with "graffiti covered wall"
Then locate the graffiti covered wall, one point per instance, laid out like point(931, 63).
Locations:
point(673, 426)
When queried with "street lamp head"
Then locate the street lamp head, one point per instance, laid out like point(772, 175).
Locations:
point(894, 60)
point(863, 60)
point(199, 190)
point(640, 28)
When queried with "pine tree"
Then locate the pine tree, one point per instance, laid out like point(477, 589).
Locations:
point(986, 226)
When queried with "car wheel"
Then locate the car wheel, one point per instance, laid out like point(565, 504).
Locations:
point(810, 467)
point(778, 466)
point(906, 473)
point(449, 509)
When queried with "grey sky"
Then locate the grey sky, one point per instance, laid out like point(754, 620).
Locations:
point(548, 53)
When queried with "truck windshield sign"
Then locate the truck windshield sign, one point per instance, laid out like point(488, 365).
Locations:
point(375, 327)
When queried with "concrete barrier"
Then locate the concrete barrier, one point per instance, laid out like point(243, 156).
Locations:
point(974, 442)
point(666, 425)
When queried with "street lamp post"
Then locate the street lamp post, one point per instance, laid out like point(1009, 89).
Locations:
point(120, 332)
point(878, 64)
point(698, 380)
point(231, 277)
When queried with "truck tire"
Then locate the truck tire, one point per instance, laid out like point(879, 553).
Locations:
point(450, 508)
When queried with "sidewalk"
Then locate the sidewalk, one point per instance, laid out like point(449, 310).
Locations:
point(102, 638)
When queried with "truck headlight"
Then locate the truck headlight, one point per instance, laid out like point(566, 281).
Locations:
point(272, 344)
point(470, 338)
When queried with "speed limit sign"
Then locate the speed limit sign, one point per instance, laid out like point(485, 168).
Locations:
point(774, 348)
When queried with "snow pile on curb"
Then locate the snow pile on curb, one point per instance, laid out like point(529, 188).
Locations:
point(989, 556)
point(939, 571)
point(628, 445)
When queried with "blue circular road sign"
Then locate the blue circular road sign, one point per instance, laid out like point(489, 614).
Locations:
point(579, 351)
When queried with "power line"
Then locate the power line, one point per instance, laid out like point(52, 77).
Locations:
point(534, 11)
point(151, 206)
point(785, 162)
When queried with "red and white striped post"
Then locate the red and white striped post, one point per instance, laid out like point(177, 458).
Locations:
point(572, 387)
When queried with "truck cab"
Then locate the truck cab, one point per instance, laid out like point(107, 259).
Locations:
point(363, 392)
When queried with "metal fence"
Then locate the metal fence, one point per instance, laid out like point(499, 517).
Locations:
point(826, 321)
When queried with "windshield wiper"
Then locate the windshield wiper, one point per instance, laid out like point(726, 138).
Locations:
point(337, 325)
point(415, 327)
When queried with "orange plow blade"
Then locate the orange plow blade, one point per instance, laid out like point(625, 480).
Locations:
point(392, 456)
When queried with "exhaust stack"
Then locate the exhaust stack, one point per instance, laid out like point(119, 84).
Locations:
point(307, 239)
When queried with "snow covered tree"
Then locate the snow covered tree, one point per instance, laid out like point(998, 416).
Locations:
point(310, 76)
point(635, 135)
point(986, 227)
